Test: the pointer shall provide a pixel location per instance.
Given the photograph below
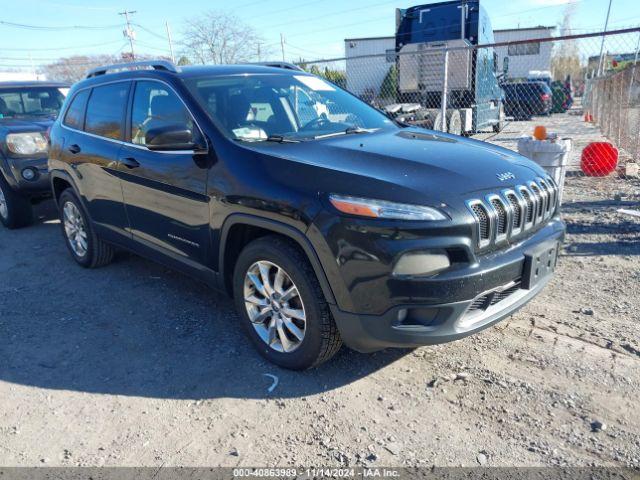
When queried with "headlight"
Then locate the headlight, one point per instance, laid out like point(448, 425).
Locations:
point(365, 207)
point(27, 143)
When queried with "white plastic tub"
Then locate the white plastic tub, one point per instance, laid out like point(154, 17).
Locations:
point(552, 155)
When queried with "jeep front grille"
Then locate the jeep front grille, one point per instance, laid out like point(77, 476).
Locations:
point(480, 212)
point(516, 208)
point(501, 213)
point(499, 217)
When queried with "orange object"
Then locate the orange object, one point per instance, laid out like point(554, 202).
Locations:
point(354, 208)
point(540, 132)
point(599, 159)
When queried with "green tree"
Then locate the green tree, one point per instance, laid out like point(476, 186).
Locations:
point(336, 76)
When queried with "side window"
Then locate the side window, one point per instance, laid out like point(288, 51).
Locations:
point(105, 111)
point(155, 106)
point(74, 117)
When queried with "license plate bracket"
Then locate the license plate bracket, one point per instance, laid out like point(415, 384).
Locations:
point(539, 263)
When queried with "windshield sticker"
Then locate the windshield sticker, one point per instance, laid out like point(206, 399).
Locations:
point(315, 83)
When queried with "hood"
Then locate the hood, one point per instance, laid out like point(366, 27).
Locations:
point(26, 124)
point(424, 161)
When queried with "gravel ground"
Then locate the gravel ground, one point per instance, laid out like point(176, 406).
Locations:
point(137, 365)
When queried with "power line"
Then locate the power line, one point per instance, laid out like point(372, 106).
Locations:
point(74, 47)
point(48, 3)
point(153, 47)
point(57, 27)
point(150, 32)
point(335, 27)
point(334, 13)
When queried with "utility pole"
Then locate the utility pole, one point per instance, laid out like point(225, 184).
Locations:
point(173, 59)
point(606, 24)
point(129, 32)
point(282, 46)
point(258, 51)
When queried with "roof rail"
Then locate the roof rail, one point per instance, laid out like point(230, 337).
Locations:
point(154, 64)
point(285, 65)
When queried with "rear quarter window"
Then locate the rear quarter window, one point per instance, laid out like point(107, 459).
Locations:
point(105, 110)
point(74, 117)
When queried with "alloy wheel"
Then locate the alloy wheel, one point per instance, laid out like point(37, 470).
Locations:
point(274, 306)
point(75, 229)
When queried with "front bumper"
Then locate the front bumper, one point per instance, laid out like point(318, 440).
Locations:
point(39, 186)
point(444, 308)
point(368, 333)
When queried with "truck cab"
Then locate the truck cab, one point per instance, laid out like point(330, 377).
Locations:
point(443, 37)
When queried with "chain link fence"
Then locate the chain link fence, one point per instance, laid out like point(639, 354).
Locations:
point(582, 87)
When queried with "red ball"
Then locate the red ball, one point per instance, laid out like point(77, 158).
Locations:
point(599, 159)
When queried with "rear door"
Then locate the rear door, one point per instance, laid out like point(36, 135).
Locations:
point(164, 191)
point(94, 132)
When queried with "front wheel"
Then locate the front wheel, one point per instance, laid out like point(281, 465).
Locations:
point(281, 305)
point(498, 127)
point(15, 210)
point(86, 248)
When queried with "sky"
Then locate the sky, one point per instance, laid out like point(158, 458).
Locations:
point(312, 29)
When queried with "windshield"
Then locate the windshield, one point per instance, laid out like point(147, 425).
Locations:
point(285, 107)
point(31, 101)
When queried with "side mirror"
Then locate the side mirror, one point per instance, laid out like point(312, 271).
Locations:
point(171, 137)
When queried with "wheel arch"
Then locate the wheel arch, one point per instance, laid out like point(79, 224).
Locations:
point(60, 181)
point(264, 227)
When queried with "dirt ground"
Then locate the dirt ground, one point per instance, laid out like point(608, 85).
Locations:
point(134, 364)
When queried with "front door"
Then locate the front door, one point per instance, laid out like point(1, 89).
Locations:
point(164, 191)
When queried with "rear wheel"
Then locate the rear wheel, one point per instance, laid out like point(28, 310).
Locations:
point(86, 248)
point(437, 122)
point(454, 122)
point(281, 305)
point(15, 210)
point(498, 127)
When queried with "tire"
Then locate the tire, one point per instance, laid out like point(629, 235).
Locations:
point(95, 253)
point(454, 122)
point(498, 127)
point(320, 339)
point(437, 122)
point(15, 210)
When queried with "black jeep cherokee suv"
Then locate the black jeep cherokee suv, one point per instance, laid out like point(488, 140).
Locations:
point(326, 221)
point(27, 110)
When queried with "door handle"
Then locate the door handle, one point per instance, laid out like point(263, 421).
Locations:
point(130, 162)
point(75, 148)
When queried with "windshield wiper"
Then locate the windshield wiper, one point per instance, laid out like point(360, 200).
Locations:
point(270, 138)
point(281, 139)
point(347, 131)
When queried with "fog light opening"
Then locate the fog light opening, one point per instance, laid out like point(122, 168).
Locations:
point(29, 174)
point(424, 317)
point(422, 263)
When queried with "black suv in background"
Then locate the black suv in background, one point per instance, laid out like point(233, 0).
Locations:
point(27, 110)
point(522, 100)
point(325, 220)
